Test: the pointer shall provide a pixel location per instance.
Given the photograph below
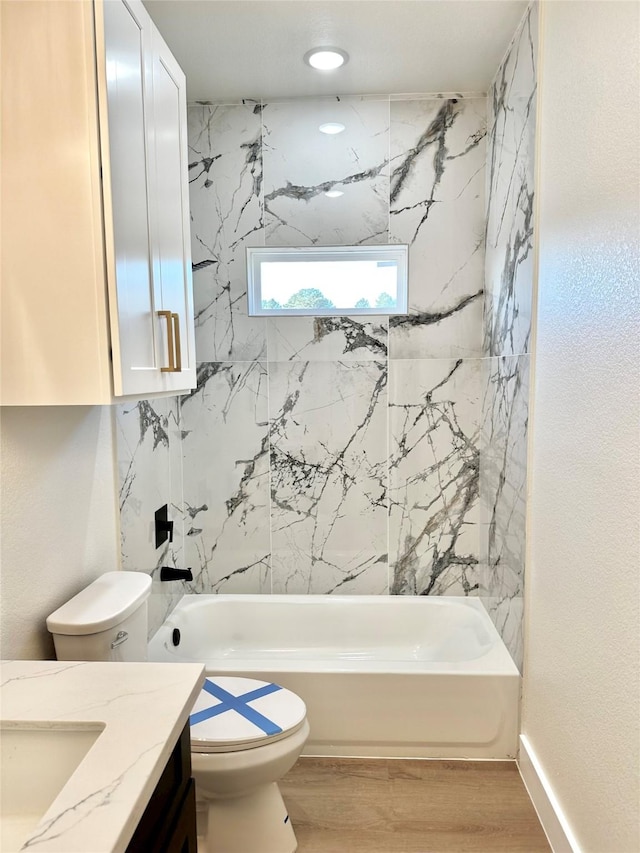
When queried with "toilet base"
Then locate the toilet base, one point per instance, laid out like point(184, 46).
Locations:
point(254, 823)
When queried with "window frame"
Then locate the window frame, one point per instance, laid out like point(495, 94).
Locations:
point(398, 252)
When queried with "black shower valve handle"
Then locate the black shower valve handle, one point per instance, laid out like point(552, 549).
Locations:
point(165, 527)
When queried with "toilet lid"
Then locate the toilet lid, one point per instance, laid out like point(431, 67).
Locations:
point(239, 713)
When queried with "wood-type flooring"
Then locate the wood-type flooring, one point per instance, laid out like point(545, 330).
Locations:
point(410, 806)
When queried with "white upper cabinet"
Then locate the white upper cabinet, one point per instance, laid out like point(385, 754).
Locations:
point(96, 279)
point(170, 208)
point(123, 131)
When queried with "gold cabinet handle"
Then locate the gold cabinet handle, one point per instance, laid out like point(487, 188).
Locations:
point(176, 337)
point(173, 341)
point(169, 320)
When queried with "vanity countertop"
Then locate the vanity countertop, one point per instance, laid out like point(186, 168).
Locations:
point(140, 708)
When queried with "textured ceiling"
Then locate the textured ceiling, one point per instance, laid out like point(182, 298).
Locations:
point(254, 48)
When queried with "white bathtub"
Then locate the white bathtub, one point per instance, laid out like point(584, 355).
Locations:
point(388, 676)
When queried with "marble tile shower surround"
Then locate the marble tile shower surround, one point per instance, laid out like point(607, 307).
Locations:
point(333, 454)
point(507, 332)
point(330, 454)
point(410, 171)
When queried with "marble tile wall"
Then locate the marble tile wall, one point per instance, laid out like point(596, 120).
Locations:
point(225, 446)
point(329, 476)
point(225, 173)
point(323, 455)
point(345, 455)
point(149, 458)
point(301, 165)
point(337, 455)
point(507, 332)
point(436, 205)
point(510, 193)
point(434, 427)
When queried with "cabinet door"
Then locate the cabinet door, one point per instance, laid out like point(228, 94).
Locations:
point(168, 824)
point(184, 838)
point(54, 322)
point(133, 297)
point(171, 243)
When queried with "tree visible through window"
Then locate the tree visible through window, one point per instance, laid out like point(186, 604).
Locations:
point(385, 300)
point(338, 280)
point(308, 297)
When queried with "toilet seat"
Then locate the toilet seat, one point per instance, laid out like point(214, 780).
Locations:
point(233, 713)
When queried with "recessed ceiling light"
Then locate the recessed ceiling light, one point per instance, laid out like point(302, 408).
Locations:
point(334, 194)
point(331, 127)
point(326, 58)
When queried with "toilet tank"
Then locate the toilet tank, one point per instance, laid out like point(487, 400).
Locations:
point(105, 621)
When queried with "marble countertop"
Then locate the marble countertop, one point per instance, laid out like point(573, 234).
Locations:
point(140, 708)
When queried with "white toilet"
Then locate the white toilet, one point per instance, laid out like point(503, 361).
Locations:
point(245, 734)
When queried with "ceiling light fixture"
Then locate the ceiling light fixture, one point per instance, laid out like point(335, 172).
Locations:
point(334, 194)
point(326, 58)
point(331, 127)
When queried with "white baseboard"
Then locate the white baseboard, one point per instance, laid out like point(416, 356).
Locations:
point(551, 816)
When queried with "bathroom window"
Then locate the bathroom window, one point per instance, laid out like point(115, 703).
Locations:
point(336, 280)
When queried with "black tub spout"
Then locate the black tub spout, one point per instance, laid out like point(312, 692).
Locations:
point(168, 573)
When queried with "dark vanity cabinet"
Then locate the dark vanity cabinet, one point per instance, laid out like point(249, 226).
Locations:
point(168, 824)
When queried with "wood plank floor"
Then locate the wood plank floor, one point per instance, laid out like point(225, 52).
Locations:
point(407, 806)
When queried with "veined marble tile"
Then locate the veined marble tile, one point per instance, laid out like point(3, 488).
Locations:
point(329, 477)
point(503, 483)
point(327, 338)
point(226, 478)
point(225, 174)
point(437, 207)
point(510, 191)
point(149, 466)
point(507, 332)
point(301, 164)
point(434, 425)
point(506, 610)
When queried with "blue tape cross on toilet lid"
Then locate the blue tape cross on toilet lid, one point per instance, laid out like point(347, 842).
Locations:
point(239, 704)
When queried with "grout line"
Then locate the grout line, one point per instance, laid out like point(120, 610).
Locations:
point(376, 96)
point(267, 364)
point(389, 570)
point(389, 184)
point(268, 380)
point(388, 418)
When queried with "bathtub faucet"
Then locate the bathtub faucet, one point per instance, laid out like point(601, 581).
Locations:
point(168, 573)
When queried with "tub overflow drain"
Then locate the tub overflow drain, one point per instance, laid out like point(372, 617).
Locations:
point(175, 637)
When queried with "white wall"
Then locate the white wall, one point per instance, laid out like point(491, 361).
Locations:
point(57, 516)
point(581, 690)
